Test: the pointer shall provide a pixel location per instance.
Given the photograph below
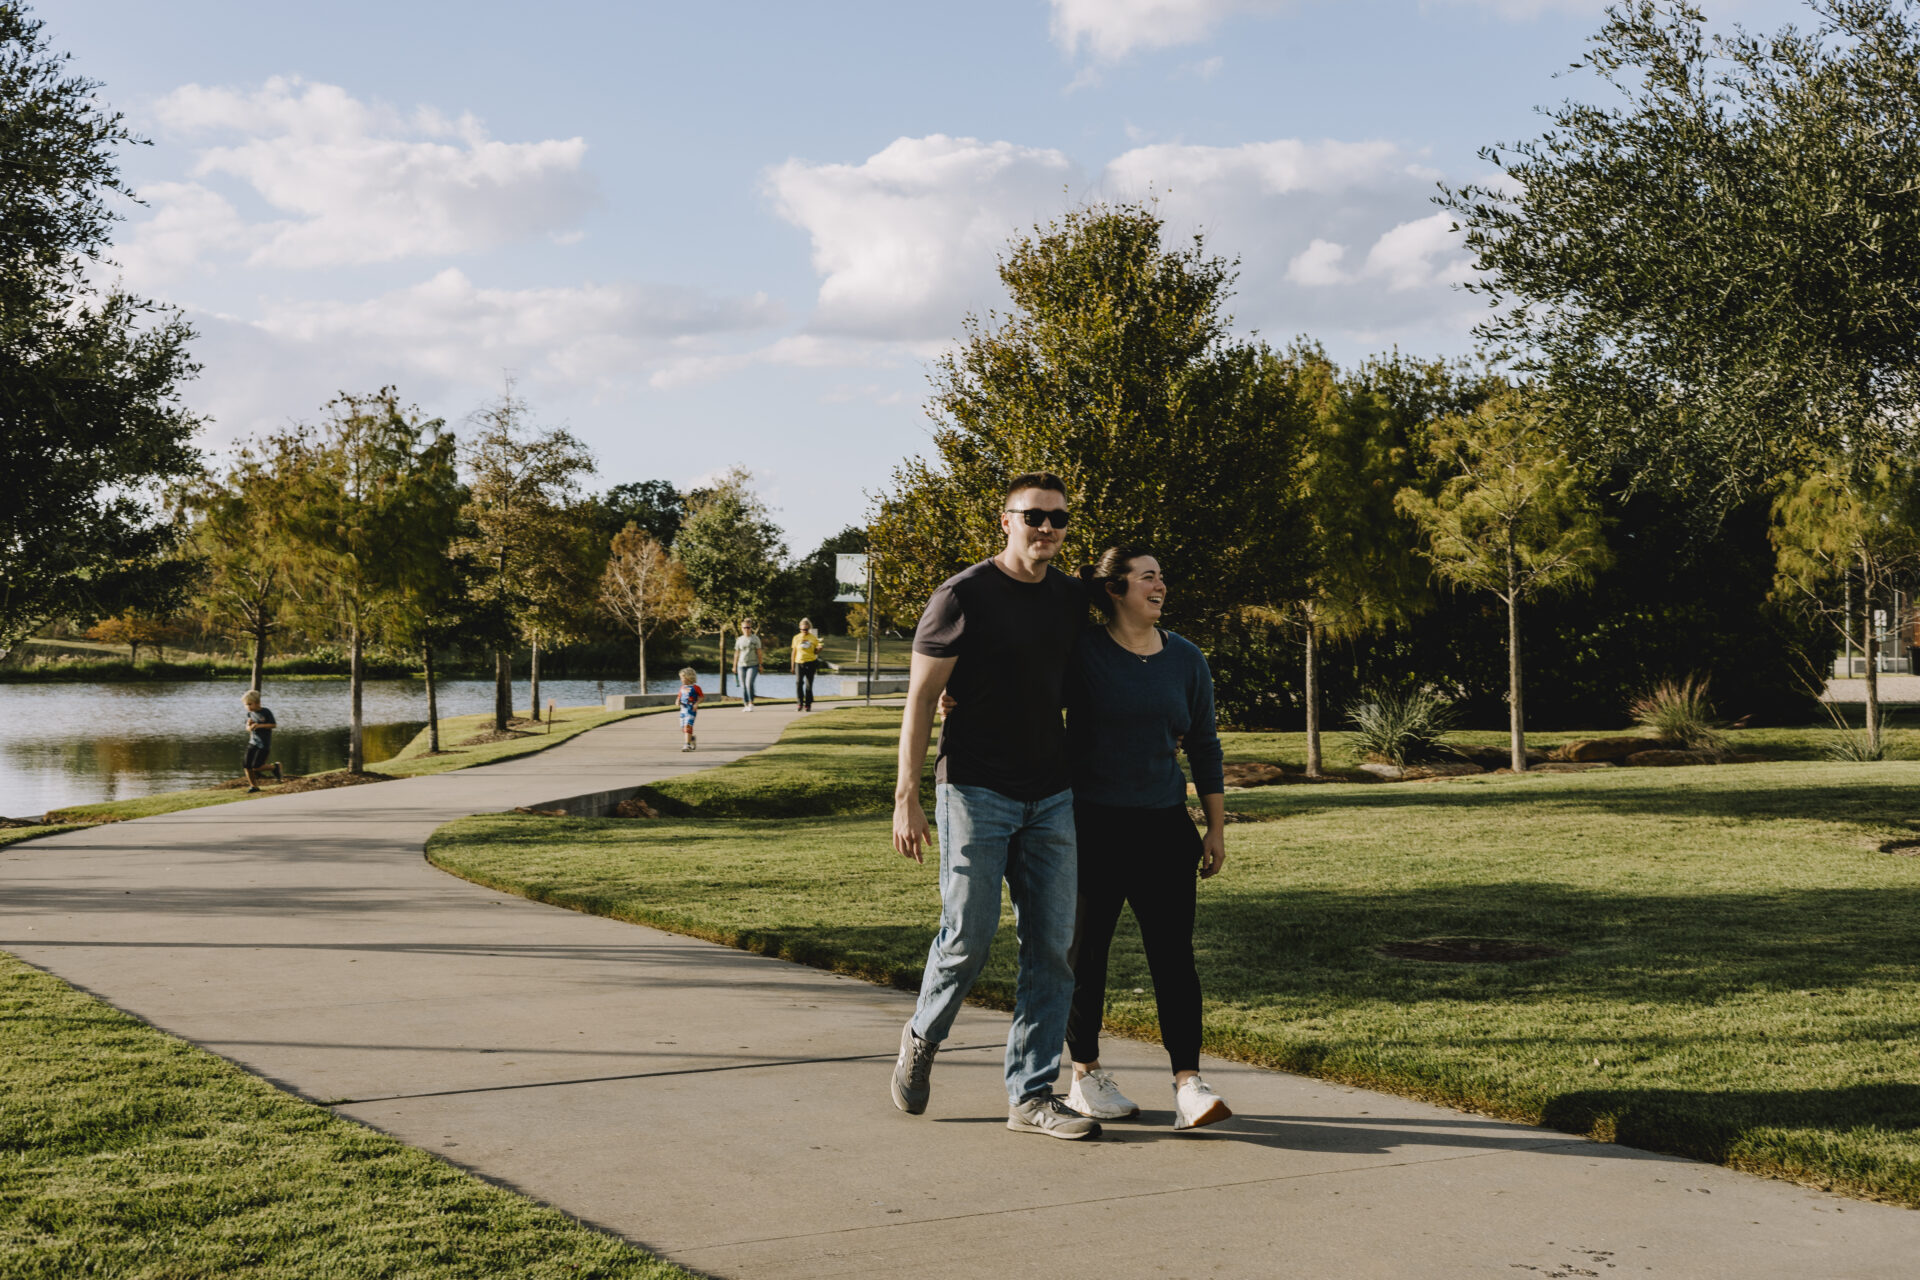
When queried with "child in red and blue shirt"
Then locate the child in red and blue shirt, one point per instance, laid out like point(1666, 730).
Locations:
point(689, 702)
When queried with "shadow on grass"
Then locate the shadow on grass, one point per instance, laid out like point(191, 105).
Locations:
point(1880, 799)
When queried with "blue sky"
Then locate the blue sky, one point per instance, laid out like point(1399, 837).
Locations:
point(702, 235)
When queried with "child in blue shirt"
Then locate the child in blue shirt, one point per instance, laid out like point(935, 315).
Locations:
point(689, 702)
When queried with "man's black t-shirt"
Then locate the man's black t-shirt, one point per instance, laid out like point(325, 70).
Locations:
point(1011, 640)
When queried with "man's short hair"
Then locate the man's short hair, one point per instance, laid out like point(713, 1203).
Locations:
point(1035, 480)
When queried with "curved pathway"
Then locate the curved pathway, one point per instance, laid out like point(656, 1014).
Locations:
point(730, 1111)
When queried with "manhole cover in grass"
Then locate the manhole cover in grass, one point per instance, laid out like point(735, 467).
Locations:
point(1470, 950)
point(1902, 848)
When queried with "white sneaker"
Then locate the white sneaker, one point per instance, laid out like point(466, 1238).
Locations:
point(1195, 1103)
point(1095, 1094)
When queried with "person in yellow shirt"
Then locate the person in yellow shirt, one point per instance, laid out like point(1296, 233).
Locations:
point(806, 661)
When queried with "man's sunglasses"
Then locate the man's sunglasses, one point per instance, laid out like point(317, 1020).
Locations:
point(1037, 516)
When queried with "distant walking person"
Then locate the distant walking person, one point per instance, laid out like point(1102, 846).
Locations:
point(260, 727)
point(999, 634)
point(689, 703)
point(746, 661)
point(806, 661)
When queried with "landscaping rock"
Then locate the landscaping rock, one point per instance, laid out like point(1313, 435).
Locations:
point(1668, 759)
point(1592, 750)
point(634, 808)
point(1495, 757)
point(1391, 772)
point(1254, 775)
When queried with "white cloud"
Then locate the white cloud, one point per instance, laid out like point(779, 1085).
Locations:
point(1111, 29)
point(905, 241)
point(347, 182)
point(449, 327)
point(1108, 30)
point(1337, 239)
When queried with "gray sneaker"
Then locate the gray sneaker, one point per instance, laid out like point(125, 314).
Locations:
point(1050, 1115)
point(913, 1071)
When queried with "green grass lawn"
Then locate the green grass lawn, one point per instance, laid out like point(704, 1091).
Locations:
point(1740, 982)
point(13, 835)
point(126, 1152)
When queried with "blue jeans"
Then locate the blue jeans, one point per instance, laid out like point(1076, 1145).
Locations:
point(986, 837)
point(748, 675)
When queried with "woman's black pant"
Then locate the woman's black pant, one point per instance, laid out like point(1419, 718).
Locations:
point(803, 684)
point(1148, 859)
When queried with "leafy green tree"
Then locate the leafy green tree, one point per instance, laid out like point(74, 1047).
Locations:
point(644, 588)
point(731, 551)
point(436, 608)
point(1362, 573)
point(90, 419)
point(1115, 370)
point(1718, 274)
point(238, 533)
point(371, 504)
point(653, 505)
point(1854, 521)
point(1512, 519)
point(526, 531)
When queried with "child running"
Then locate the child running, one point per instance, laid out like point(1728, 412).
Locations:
point(260, 727)
point(689, 701)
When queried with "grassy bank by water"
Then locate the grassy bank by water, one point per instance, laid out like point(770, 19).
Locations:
point(1737, 984)
point(126, 1152)
point(459, 751)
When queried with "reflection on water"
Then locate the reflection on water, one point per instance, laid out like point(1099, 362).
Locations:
point(63, 744)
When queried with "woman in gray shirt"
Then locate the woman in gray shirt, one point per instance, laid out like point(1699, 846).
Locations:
point(746, 661)
point(1136, 695)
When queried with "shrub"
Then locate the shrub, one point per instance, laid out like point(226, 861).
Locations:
point(1855, 747)
point(1403, 728)
point(1678, 711)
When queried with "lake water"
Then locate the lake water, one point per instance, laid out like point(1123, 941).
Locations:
point(63, 744)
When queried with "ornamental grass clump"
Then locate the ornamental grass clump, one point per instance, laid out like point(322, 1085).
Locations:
point(1678, 711)
point(1403, 728)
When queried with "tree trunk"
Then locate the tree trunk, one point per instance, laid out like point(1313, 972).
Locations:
point(534, 676)
point(1517, 716)
point(133, 655)
point(1313, 699)
point(723, 664)
point(1870, 644)
point(259, 649)
point(356, 679)
point(643, 660)
point(433, 699)
point(502, 690)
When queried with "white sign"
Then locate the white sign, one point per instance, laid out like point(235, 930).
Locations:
point(850, 579)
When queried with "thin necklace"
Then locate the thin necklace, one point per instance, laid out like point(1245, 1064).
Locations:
point(1152, 636)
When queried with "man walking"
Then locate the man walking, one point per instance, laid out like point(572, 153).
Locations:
point(998, 635)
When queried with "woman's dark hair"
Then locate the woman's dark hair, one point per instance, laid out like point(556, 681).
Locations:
point(1112, 567)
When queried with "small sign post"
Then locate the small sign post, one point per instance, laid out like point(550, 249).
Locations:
point(853, 577)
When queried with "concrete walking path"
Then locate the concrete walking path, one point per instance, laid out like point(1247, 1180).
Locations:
point(730, 1112)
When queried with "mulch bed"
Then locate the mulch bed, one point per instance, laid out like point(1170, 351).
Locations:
point(493, 735)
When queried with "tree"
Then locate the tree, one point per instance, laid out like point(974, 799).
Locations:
point(134, 631)
point(1512, 519)
point(731, 551)
point(654, 505)
point(1719, 277)
point(238, 534)
point(1854, 522)
point(1114, 369)
point(1361, 449)
point(90, 420)
point(644, 588)
point(814, 582)
point(523, 486)
point(371, 504)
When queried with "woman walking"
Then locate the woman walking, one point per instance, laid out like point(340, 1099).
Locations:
point(1136, 694)
point(746, 660)
point(806, 662)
